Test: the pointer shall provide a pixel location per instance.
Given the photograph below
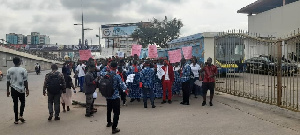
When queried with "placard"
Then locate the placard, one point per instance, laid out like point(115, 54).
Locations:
point(187, 52)
point(85, 54)
point(174, 56)
point(152, 51)
point(136, 49)
point(120, 54)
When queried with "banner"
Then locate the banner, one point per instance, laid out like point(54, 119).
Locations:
point(174, 56)
point(152, 51)
point(187, 52)
point(85, 54)
point(136, 49)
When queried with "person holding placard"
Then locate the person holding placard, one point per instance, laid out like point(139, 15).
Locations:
point(177, 83)
point(135, 90)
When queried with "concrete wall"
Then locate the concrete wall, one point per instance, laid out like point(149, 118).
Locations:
point(209, 45)
point(279, 22)
point(28, 60)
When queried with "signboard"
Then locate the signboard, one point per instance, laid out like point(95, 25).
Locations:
point(118, 30)
point(85, 54)
point(187, 52)
point(120, 54)
point(174, 56)
point(136, 49)
point(152, 51)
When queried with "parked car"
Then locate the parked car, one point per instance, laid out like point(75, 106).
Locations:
point(268, 65)
point(1, 75)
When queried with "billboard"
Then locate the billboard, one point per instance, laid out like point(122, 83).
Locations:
point(118, 30)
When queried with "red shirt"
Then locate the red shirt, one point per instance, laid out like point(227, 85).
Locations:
point(209, 70)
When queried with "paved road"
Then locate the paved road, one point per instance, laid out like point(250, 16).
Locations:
point(229, 116)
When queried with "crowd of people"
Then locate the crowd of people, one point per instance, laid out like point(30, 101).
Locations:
point(128, 77)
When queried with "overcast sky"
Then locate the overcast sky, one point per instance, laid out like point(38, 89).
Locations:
point(56, 17)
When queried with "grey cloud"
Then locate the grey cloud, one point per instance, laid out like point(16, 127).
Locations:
point(107, 11)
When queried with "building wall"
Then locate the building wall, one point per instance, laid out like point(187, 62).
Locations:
point(209, 48)
point(28, 39)
point(278, 22)
point(28, 60)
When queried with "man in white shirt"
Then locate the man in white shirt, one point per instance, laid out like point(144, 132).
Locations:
point(80, 69)
point(17, 81)
point(195, 68)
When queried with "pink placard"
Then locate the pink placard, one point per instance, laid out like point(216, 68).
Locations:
point(152, 51)
point(174, 56)
point(136, 49)
point(187, 52)
point(85, 54)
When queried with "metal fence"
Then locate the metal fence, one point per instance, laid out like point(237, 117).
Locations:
point(264, 69)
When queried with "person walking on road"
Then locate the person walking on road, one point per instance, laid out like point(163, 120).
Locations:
point(55, 85)
point(209, 80)
point(80, 69)
point(113, 103)
point(90, 84)
point(147, 77)
point(66, 97)
point(185, 80)
point(17, 81)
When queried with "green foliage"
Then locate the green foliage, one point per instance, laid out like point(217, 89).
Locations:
point(158, 32)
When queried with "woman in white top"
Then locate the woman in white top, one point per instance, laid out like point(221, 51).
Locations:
point(195, 68)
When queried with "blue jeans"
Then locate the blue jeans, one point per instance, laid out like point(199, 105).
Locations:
point(81, 80)
point(145, 94)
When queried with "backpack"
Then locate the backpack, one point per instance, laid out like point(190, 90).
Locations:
point(53, 84)
point(106, 85)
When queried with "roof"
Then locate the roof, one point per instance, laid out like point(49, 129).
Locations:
point(260, 6)
point(188, 38)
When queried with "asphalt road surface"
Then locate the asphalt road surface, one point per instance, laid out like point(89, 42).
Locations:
point(229, 116)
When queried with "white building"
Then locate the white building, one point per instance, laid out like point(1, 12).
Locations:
point(276, 18)
point(28, 39)
point(20, 39)
point(44, 40)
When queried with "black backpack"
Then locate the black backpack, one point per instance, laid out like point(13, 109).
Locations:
point(106, 85)
point(53, 84)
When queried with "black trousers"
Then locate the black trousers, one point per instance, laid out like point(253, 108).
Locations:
point(54, 99)
point(123, 96)
point(186, 91)
point(18, 96)
point(113, 105)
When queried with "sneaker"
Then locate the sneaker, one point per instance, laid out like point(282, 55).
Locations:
point(109, 124)
point(170, 101)
point(186, 104)
point(182, 102)
point(57, 118)
point(210, 103)
point(50, 117)
point(116, 130)
point(203, 103)
point(164, 101)
point(153, 106)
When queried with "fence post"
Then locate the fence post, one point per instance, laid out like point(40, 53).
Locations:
point(279, 72)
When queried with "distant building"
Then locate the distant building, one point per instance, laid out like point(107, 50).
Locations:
point(12, 38)
point(44, 40)
point(28, 37)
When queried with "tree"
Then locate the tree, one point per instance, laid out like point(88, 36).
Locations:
point(158, 32)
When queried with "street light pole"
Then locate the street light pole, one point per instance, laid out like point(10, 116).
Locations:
point(82, 40)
